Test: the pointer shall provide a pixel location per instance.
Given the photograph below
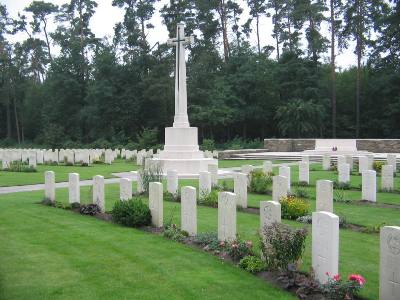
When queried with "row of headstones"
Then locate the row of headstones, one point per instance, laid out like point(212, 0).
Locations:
point(325, 224)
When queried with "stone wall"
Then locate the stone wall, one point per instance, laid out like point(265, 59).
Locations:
point(231, 153)
point(296, 145)
point(288, 145)
point(379, 146)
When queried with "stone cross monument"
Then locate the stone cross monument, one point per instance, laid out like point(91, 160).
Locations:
point(181, 151)
point(181, 118)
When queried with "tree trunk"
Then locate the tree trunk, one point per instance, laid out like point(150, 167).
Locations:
point(222, 14)
point(8, 114)
point(333, 71)
point(47, 39)
point(258, 34)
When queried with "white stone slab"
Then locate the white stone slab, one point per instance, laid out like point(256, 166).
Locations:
point(279, 187)
point(74, 188)
point(325, 245)
point(125, 189)
point(267, 167)
point(270, 212)
point(204, 183)
point(387, 183)
point(213, 169)
point(240, 189)
point(156, 203)
point(304, 172)
point(98, 192)
point(344, 173)
point(226, 216)
point(326, 162)
point(391, 160)
point(49, 186)
point(172, 182)
point(189, 210)
point(369, 185)
point(285, 171)
point(362, 164)
point(389, 271)
point(324, 196)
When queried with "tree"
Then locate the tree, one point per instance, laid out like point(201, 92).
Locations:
point(299, 118)
point(360, 17)
point(277, 19)
point(41, 11)
point(257, 9)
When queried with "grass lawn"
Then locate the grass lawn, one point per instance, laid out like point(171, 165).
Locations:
point(231, 163)
point(351, 243)
point(19, 178)
point(49, 253)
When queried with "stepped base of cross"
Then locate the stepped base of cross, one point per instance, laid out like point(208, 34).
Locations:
point(181, 152)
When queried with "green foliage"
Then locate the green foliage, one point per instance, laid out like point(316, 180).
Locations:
point(301, 193)
point(172, 197)
point(208, 144)
point(210, 199)
point(148, 139)
point(89, 209)
point(260, 182)
point(208, 240)
point(152, 174)
point(377, 166)
point(238, 249)
point(174, 233)
point(293, 207)
point(18, 166)
point(337, 289)
point(131, 213)
point(282, 246)
point(341, 185)
point(252, 264)
point(339, 195)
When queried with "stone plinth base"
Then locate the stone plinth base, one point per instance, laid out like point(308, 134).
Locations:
point(181, 152)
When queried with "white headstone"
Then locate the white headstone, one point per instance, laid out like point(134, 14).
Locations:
point(270, 212)
point(73, 188)
point(326, 162)
point(32, 159)
point(172, 182)
point(247, 169)
point(387, 183)
point(204, 183)
point(226, 216)
point(324, 197)
point(341, 160)
point(98, 192)
point(125, 189)
point(39, 157)
point(304, 172)
point(344, 173)
point(49, 186)
point(349, 160)
point(370, 161)
point(325, 245)
point(305, 158)
point(389, 271)
point(391, 160)
point(362, 164)
point(189, 210)
point(267, 167)
point(213, 169)
point(285, 171)
point(369, 185)
point(139, 183)
point(156, 203)
point(240, 189)
point(279, 187)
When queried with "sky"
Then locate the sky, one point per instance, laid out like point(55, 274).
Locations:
point(106, 16)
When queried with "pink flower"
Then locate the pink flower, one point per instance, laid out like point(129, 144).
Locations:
point(327, 274)
point(356, 277)
point(249, 244)
point(222, 244)
point(234, 245)
point(337, 277)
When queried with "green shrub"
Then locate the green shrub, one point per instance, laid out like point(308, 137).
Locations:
point(340, 196)
point(337, 288)
point(132, 213)
point(173, 232)
point(172, 197)
point(18, 166)
point(210, 199)
point(89, 209)
point(341, 185)
point(260, 182)
point(153, 174)
point(239, 249)
point(302, 193)
point(282, 246)
point(293, 207)
point(208, 144)
point(377, 166)
point(208, 240)
point(252, 264)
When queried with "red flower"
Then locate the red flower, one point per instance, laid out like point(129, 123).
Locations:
point(356, 277)
point(337, 277)
point(327, 274)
